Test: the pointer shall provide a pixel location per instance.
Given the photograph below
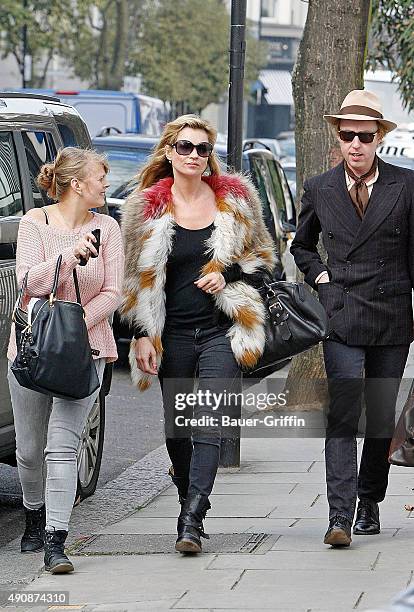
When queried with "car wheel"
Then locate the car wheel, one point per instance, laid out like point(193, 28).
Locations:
point(90, 449)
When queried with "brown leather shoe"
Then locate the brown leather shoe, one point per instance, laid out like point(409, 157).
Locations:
point(339, 532)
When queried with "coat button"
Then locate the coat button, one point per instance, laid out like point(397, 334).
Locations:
point(380, 289)
point(348, 262)
point(346, 289)
point(397, 230)
point(381, 263)
point(330, 235)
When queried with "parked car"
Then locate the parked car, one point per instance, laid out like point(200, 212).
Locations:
point(399, 160)
point(287, 145)
point(32, 129)
point(126, 153)
point(119, 110)
point(271, 144)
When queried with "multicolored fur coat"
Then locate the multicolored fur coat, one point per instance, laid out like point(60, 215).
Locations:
point(239, 236)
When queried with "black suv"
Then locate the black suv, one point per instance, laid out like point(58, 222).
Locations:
point(32, 129)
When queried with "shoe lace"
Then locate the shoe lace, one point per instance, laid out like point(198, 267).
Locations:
point(341, 521)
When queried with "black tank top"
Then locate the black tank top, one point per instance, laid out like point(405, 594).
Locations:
point(186, 305)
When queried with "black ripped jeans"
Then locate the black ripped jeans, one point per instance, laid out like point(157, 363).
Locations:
point(194, 449)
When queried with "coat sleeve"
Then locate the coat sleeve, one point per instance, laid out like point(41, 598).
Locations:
point(304, 246)
point(133, 229)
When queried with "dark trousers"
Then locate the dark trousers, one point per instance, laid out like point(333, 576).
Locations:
point(206, 353)
point(354, 372)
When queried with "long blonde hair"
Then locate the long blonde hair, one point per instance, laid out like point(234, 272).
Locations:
point(70, 162)
point(158, 166)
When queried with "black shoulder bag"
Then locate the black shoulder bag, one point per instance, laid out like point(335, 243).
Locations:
point(53, 352)
point(295, 321)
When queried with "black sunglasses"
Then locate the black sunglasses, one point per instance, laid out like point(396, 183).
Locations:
point(185, 147)
point(364, 137)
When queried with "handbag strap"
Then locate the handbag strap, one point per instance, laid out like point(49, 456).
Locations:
point(54, 287)
point(56, 281)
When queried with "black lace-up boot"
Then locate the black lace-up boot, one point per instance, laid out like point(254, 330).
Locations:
point(32, 540)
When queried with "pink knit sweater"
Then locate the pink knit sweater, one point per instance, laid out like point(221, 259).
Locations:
point(100, 281)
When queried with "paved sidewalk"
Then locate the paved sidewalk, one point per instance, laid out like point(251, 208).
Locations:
point(273, 511)
point(279, 491)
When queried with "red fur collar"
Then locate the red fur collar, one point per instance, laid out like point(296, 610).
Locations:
point(159, 195)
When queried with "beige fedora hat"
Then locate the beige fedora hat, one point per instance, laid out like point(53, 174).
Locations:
point(361, 105)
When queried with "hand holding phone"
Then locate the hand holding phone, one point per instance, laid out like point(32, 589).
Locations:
point(97, 233)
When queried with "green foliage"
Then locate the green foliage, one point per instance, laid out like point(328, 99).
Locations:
point(48, 22)
point(182, 52)
point(392, 43)
point(99, 43)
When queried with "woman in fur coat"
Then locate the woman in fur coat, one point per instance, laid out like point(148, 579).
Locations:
point(195, 246)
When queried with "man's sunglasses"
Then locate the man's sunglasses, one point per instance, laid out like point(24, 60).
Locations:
point(185, 147)
point(364, 137)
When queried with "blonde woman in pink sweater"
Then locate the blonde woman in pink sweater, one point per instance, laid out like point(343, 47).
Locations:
point(49, 429)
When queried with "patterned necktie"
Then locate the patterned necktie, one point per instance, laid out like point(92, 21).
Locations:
point(359, 190)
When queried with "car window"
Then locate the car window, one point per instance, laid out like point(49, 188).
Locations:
point(263, 183)
point(11, 203)
point(279, 195)
point(39, 149)
point(124, 164)
point(288, 213)
point(67, 135)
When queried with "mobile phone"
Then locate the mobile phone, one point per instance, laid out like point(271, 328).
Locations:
point(97, 244)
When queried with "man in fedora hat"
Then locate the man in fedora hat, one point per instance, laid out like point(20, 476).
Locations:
point(364, 209)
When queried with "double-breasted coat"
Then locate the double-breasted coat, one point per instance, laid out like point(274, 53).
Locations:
point(370, 261)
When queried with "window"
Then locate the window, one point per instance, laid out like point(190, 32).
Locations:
point(67, 135)
point(40, 149)
point(11, 203)
point(269, 8)
point(280, 195)
point(260, 176)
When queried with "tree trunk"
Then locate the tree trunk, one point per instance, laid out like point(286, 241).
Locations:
point(116, 78)
point(329, 65)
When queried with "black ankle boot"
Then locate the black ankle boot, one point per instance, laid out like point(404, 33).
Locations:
point(181, 482)
point(32, 540)
point(190, 524)
point(56, 561)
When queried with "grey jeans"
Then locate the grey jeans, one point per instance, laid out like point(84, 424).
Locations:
point(48, 431)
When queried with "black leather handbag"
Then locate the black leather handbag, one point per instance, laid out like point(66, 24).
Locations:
point(295, 321)
point(53, 352)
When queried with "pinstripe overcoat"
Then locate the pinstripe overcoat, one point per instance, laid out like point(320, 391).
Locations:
point(370, 261)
